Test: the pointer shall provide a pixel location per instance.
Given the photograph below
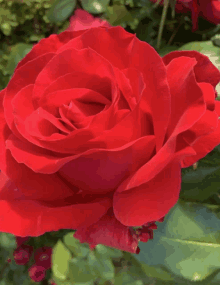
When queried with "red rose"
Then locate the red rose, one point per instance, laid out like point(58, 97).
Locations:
point(94, 129)
point(208, 9)
point(82, 20)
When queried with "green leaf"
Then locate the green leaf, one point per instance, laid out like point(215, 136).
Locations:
point(187, 243)
point(60, 260)
point(79, 271)
point(7, 241)
point(136, 270)
point(124, 278)
point(108, 251)
point(60, 10)
point(101, 265)
point(118, 14)
point(200, 184)
point(18, 51)
point(75, 246)
point(95, 6)
point(158, 272)
point(165, 50)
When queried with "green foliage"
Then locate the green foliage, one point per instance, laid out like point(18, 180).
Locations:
point(61, 10)
point(18, 51)
point(95, 7)
point(60, 260)
point(75, 263)
point(187, 244)
point(118, 14)
point(17, 12)
point(7, 241)
point(101, 265)
point(123, 278)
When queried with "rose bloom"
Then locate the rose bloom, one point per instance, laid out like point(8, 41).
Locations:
point(94, 129)
point(208, 9)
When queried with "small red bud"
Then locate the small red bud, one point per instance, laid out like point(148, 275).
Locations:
point(37, 273)
point(22, 254)
point(42, 256)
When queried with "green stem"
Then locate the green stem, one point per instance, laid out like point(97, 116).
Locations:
point(176, 30)
point(163, 18)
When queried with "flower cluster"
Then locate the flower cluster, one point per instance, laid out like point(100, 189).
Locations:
point(42, 257)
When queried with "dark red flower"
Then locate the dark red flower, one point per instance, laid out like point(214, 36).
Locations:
point(22, 254)
point(94, 129)
point(42, 256)
point(37, 273)
point(208, 9)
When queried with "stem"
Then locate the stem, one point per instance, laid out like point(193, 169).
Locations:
point(175, 31)
point(163, 18)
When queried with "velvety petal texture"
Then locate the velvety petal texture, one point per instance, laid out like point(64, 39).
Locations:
point(94, 129)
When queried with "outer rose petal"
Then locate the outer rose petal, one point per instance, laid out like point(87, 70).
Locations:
point(32, 218)
point(187, 103)
point(204, 144)
point(48, 45)
point(83, 20)
point(204, 70)
point(149, 201)
point(109, 231)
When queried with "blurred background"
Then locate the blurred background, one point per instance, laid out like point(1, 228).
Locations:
point(24, 22)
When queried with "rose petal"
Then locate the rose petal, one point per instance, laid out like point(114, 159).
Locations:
point(65, 62)
point(110, 232)
point(185, 93)
point(22, 77)
point(48, 45)
point(204, 70)
point(79, 79)
point(106, 169)
point(205, 125)
point(149, 201)
point(208, 95)
point(136, 81)
point(32, 218)
point(56, 99)
point(204, 144)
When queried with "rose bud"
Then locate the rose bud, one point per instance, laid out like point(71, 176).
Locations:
point(42, 257)
point(37, 273)
point(23, 254)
